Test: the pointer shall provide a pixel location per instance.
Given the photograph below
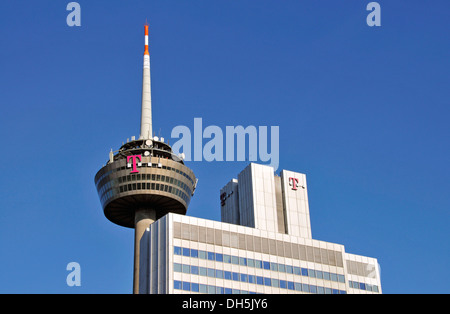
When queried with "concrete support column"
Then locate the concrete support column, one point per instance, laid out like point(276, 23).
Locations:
point(143, 218)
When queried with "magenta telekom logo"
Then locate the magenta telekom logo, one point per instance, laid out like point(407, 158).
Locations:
point(136, 161)
point(294, 183)
point(134, 164)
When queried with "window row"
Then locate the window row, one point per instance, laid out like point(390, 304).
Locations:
point(252, 279)
point(153, 177)
point(361, 269)
point(144, 186)
point(207, 289)
point(363, 286)
point(257, 244)
point(249, 262)
point(119, 182)
point(153, 165)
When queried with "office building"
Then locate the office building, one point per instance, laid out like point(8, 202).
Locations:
point(262, 245)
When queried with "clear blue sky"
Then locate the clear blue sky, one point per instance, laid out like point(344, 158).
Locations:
point(363, 112)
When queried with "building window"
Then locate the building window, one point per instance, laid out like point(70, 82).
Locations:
point(275, 283)
point(290, 285)
point(259, 280)
point(203, 288)
point(334, 277)
point(305, 287)
point(319, 274)
point(202, 254)
point(210, 256)
point(177, 267)
point(289, 269)
point(274, 266)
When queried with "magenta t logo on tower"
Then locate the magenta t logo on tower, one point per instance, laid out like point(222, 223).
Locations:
point(133, 164)
point(294, 183)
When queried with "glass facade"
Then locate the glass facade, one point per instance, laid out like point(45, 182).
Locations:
point(242, 261)
point(199, 259)
point(210, 289)
point(253, 279)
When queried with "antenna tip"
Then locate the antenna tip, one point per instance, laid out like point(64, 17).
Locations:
point(146, 39)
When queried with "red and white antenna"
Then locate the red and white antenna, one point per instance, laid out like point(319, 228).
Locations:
point(146, 114)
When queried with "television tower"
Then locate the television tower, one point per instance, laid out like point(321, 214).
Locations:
point(144, 180)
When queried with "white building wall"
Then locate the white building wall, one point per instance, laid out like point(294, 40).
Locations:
point(154, 258)
point(257, 202)
point(246, 198)
point(265, 201)
point(253, 199)
point(229, 203)
point(296, 206)
point(330, 268)
point(362, 270)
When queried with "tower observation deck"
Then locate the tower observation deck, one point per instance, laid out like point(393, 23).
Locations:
point(144, 180)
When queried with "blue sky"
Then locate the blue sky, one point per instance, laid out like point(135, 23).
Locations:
point(363, 112)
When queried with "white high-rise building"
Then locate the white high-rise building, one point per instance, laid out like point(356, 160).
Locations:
point(263, 245)
point(263, 201)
